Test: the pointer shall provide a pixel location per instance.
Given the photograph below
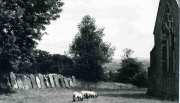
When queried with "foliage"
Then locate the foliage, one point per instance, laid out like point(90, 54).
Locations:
point(140, 79)
point(132, 70)
point(22, 25)
point(89, 51)
point(43, 62)
point(127, 53)
point(129, 68)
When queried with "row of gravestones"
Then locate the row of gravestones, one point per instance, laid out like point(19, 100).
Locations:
point(28, 81)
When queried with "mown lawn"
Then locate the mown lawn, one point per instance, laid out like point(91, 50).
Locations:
point(65, 96)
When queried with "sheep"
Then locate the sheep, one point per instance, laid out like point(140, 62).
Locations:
point(85, 94)
point(93, 94)
point(77, 96)
point(89, 94)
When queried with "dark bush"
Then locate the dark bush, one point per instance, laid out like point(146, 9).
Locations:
point(140, 79)
point(129, 68)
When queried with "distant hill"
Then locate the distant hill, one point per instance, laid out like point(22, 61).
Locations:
point(112, 66)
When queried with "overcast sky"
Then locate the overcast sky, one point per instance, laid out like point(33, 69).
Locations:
point(127, 23)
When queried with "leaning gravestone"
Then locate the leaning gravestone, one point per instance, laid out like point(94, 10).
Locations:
point(27, 82)
point(56, 80)
point(71, 83)
point(73, 79)
point(51, 80)
point(4, 82)
point(61, 81)
point(33, 81)
point(38, 81)
point(66, 82)
point(41, 80)
point(19, 81)
point(13, 81)
point(3, 85)
point(46, 81)
point(8, 83)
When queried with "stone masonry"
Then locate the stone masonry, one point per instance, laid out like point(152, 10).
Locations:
point(164, 64)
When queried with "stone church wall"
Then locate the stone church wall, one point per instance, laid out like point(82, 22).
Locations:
point(164, 69)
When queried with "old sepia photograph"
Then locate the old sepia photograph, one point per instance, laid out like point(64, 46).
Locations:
point(89, 51)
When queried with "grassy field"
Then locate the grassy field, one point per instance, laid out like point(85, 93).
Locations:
point(65, 96)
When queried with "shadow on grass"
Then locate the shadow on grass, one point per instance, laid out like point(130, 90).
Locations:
point(138, 96)
point(134, 95)
point(6, 91)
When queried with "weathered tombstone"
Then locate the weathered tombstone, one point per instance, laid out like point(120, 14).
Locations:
point(56, 80)
point(13, 81)
point(73, 79)
point(51, 80)
point(71, 83)
point(29, 81)
point(25, 82)
point(4, 82)
point(61, 81)
point(41, 80)
point(46, 81)
point(19, 81)
point(8, 83)
point(66, 82)
point(33, 81)
point(3, 85)
point(38, 81)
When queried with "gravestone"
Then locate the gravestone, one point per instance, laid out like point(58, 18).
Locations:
point(69, 80)
point(4, 82)
point(51, 80)
point(71, 83)
point(61, 81)
point(29, 81)
point(8, 83)
point(56, 80)
point(41, 80)
point(19, 81)
point(38, 81)
point(33, 81)
point(74, 80)
point(66, 82)
point(13, 81)
point(46, 81)
point(25, 82)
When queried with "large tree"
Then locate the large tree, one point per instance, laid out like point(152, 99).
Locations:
point(89, 51)
point(22, 24)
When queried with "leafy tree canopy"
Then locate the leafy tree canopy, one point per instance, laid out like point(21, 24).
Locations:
point(89, 51)
point(22, 25)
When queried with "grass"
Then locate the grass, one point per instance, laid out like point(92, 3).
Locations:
point(65, 96)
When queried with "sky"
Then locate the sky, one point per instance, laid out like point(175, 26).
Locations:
point(127, 23)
